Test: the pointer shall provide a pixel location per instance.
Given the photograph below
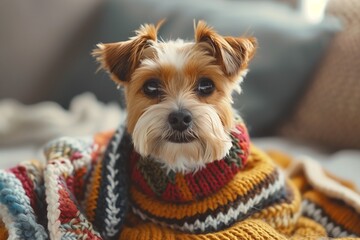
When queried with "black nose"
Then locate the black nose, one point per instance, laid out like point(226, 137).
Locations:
point(180, 120)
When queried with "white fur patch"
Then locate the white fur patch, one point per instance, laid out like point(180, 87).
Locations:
point(240, 80)
point(181, 163)
point(169, 53)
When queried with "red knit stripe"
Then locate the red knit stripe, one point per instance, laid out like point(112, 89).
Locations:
point(205, 189)
point(215, 171)
point(21, 174)
point(142, 184)
point(210, 179)
point(68, 209)
point(226, 170)
point(193, 185)
point(172, 193)
point(70, 183)
point(75, 156)
point(79, 186)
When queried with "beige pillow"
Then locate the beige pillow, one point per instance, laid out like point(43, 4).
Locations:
point(329, 112)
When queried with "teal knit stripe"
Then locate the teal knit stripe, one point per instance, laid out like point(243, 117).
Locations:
point(14, 198)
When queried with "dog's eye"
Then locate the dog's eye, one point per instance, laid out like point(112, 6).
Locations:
point(205, 87)
point(152, 88)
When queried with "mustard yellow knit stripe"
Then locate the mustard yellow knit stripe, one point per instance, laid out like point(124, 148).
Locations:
point(3, 231)
point(258, 167)
point(245, 230)
point(307, 229)
point(93, 192)
point(186, 194)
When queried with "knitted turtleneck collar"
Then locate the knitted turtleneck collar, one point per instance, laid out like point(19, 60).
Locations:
point(155, 181)
point(214, 198)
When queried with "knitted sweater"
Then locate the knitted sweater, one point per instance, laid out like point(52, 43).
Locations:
point(100, 188)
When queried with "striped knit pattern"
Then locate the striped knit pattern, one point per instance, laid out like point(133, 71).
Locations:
point(153, 179)
point(337, 218)
point(81, 173)
point(66, 159)
point(112, 199)
point(249, 191)
point(101, 175)
point(88, 185)
point(15, 206)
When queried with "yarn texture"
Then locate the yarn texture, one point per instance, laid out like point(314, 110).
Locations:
point(98, 187)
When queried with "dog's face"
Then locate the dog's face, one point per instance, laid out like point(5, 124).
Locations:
point(178, 93)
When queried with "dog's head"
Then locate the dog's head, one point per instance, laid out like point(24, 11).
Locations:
point(178, 93)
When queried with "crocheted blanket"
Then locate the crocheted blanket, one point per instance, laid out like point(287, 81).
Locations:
point(99, 188)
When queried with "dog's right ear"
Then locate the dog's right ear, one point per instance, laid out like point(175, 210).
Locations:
point(120, 59)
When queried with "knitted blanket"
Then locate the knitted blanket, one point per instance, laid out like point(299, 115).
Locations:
point(99, 188)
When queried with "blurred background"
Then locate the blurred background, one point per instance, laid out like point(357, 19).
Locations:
point(304, 82)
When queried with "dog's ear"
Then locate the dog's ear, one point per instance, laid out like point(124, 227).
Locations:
point(120, 59)
point(231, 53)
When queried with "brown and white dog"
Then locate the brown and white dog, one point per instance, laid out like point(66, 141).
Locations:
point(179, 93)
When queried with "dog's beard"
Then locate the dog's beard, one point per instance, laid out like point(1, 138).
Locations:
point(208, 140)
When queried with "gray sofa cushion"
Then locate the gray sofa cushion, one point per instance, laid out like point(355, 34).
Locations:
point(289, 50)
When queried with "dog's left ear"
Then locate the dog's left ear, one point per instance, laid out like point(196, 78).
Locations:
point(120, 59)
point(232, 53)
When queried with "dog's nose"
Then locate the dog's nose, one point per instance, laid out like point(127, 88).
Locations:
point(180, 120)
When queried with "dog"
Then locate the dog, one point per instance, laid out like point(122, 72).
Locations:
point(179, 93)
point(181, 168)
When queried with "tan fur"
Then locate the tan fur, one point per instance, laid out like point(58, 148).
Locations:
point(121, 58)
point(232, 53)
point(178, 66)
